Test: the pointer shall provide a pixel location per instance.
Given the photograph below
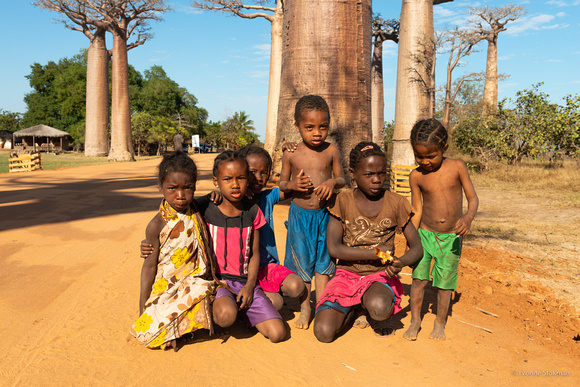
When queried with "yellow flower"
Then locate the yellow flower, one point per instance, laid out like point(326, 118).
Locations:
point(159, 340)
point(180, 257)
point(143, 323)
point(160, 286)
point(191, 317)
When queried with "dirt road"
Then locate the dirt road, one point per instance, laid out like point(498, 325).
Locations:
point(69, 293)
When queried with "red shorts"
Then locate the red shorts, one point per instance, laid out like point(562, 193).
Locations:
point(270, 277)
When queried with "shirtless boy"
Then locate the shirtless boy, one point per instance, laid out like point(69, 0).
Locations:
point(311, 172)
point(437, 188)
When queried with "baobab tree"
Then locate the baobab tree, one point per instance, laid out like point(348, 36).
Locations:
point(327, 51)
point(496, 20)
point(413, 100)
point(459, 43)
point(275, 16)
point(382, 30)
point(123, 18)
point(97, 94)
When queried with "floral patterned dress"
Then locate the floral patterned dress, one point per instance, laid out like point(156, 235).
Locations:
point(179, 302)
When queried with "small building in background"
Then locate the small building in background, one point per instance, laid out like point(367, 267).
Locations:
point(41, 138)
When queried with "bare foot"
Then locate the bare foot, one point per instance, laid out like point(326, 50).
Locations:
point(382, 328)
point(438, 332)
point(361, 322)
point(411, 333)
point(304, 319)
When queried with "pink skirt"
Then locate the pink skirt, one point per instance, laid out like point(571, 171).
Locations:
point(348, 288)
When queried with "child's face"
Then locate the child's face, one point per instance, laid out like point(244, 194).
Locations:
point(258, 172)
point(370, 175)
point(232, 180)
point(313, 127)
point(429, 157)
point(178, 189)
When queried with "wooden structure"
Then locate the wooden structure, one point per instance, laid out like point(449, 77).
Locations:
point(24, 162)
point(400, 179)
point(40, 138)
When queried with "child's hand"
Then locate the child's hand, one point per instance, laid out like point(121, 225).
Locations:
point(394, 268)
point(215, 197)
point(300, 182)
point(324, 190)
point(246, 296)
point(462, 226)
point(146, 248)
point(289, 146)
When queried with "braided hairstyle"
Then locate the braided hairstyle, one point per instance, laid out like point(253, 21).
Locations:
point(309, 103)
point(176, 162)
point(429, 132)
point(256, 150)
point(362, 150)
point(226, 157)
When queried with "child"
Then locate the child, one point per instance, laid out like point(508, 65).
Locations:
point(235, 226)
point(437, 188)
point(311, 173)
point(272, 277)
point(176, 278)
point(364, 218)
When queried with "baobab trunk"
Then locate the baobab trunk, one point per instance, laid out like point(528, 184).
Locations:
point(412, 98)
point(377, 94)
point(121, 144)
point(327, 51)
point(490, 88)
point(97, 105)
point(275, 75)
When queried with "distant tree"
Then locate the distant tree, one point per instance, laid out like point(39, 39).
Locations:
point(275, 16)
point(532, 128)
point(238, 131)
point(566, 133)
point(160, 95)
point(382, 31)
point(123, 17)
point(58, 96)
point(496, 20)
point(190, 116)
point(97, 89)
point(10, 120)
point(458, 43)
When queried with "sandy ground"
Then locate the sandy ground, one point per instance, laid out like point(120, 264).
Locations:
point(70, 267)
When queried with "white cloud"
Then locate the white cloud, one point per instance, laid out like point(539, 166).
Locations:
point(534, 23)
point(258, 74)
point(559, 3)
point(561, 14)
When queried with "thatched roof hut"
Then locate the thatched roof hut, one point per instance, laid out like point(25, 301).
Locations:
point(47, 136)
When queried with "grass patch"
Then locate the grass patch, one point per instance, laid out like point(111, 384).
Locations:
point(65, 160)
point(532, 178)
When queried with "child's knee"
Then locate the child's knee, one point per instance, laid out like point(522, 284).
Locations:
point(323, 332)
point(294, 287)
point(380, 307)
point(224, 316)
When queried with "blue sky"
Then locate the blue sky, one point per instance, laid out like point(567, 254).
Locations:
point(224, 60)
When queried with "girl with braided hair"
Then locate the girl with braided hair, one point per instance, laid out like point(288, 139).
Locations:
point(362, 220)
point(437, 188)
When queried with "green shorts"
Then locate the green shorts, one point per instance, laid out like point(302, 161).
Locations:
point(444, 250)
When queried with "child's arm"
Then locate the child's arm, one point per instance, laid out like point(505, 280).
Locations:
point(246, 293)
point(298, 183)
point(324, 190)
point(464, 223)
point(416, 200)
point(413, 253)
point(149, 269)
point(337, 249)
